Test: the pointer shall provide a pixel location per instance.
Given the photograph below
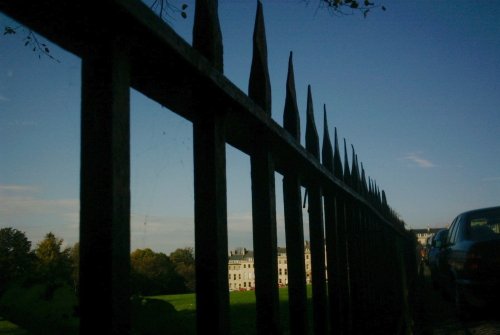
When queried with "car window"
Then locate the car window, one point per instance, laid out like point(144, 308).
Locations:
point(484, 226)
point(453, 228)
point(440, 238)
point(458, 234)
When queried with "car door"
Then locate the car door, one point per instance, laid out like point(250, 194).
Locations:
point(446, 256)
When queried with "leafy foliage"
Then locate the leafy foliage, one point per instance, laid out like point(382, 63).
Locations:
point(30, 308)
point(183, 260)
point(74, 256)
point(53, 263)
point(31, 41)
point(347, 7)
point(154, 273)
point(165, 9)
point(15, 256)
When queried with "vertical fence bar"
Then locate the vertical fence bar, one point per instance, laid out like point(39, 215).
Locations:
point(346, 227)
point(331, 234)
point(209, 146)
point(341, 237)
point(212, 297)
point(263, 193)
point(294, 233)
point(105, 191)
point(316, 231)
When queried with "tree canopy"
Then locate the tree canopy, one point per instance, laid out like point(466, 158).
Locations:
point(154, 273)
point(183, 260)
point(15, 256)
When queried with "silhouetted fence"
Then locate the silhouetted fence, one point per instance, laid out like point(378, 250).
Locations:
point(370, 256)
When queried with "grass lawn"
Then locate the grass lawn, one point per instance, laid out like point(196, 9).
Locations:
point(167, 314)
point(8, 328)
point(242, 310)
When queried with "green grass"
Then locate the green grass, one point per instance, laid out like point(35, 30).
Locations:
point(165, 314)
point(8, 328)
point(38, 313)
point(242, 310)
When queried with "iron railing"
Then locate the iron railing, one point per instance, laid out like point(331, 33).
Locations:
point(370, 261)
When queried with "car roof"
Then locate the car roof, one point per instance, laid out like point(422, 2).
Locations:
point(479, 210)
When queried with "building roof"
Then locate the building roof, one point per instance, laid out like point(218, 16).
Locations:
point(426, 230)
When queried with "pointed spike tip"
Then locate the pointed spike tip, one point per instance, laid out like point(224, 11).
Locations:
point(259, 86)
point(291, 119)
point(327, 150)
point(312, 138)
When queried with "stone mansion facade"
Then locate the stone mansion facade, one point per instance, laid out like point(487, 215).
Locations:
point(242, 273)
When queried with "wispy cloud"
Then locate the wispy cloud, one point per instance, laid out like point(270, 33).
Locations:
point(15, 205)
point(3, 98)
point(419, 160)
point(13, 188)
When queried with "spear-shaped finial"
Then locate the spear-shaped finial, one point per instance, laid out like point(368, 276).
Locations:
point(327, 150)
point(259, 86)
point(354, 171)
point(207, 36)
point(312, 139)
point(364, 185)
point(291, 120)
point(384, 200)
point(337, 162)
point(347, 174)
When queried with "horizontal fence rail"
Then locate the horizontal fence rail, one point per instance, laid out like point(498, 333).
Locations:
point(363, 262)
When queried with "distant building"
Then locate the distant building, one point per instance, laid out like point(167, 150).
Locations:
point(242, 271)
point(424, 234)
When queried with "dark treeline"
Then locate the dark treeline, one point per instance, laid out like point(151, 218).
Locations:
point(39, 286)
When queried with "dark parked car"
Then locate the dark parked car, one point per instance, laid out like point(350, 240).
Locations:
point(437, 245)
point(469, 264)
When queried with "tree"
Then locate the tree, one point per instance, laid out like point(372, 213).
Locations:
point(183, 260)
point(345, 7)
point(74, 256)
point(53, 264)
point(31, 40)
point(16, 258)
point(154, 273)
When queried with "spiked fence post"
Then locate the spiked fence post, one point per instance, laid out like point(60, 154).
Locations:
point(207, 36)
point(263, 193)
point(316, 230)
point(105, 190)
point(333, 242)
point(341, 264)
point(294, 232)
point(209, 146)
point(346, 213)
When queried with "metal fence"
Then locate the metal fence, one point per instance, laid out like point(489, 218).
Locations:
point(370, 262)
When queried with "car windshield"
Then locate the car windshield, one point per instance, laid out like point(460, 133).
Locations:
point(484, 226)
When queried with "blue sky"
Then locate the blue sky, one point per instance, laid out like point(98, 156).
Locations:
point(416, 90)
